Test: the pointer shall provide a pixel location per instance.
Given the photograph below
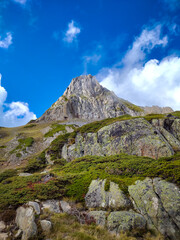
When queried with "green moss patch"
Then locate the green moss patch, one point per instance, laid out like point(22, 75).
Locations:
point(36, 163)
point(23, 144)
point(54, 129)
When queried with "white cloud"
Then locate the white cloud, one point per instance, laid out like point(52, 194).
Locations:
point(23, 2)
point(72, 32)
point(7, 41)
point(151, 83)
point(16, 113)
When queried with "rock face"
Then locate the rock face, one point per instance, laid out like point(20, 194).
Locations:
point(25, 220)
point(134, 137)
point(97, 197)
point(99, 216)
point(86, 99)
point(125, 221)
point(157, 110)
point(159, 202)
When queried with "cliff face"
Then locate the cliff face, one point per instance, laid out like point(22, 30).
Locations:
point(86, 99)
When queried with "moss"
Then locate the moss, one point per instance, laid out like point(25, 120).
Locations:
point(18, 155)
point(36, 163)
point(1, 147)
point(7, 174)
point(18, 190)
point(54, 129)
point(132, 106)
point(23, 144)
point(30, 126)
point(107, 185)
point(150, 117)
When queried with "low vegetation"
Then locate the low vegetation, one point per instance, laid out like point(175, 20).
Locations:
point(54, 129)
point(72, 179)
point(24, 143)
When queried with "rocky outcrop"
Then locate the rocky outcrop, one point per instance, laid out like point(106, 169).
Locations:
point(157, 110)
point(86, 99)
point(97, 197)
point(134, 137)
point(159, 202)
point(25, 220)
point(125, 221)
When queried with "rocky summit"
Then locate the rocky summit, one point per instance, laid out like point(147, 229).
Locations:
point(86, 99)
point(94, 166)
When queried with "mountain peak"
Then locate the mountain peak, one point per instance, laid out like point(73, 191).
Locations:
point(85, 85)
point(86, 99)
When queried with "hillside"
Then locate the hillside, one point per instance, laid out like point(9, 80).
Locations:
point(92, 159)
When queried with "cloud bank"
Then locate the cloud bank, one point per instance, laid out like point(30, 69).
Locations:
point(15, 113)
point(7, 41)
point(72, 32)
point(145, 83)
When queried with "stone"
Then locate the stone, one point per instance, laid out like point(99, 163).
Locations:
point(2, 226)
point(117, 199)
point(46, 226)
point(151, 200)
point(123, 221)
point(4, 236)
point(25, 174)
point(86, 99)
point(134, 137)
point(65, 207)
point(169, 194)
point(99, 216)
point(52, 205)
point(97, 197)
point(25, 220)
point(18, 234)
point(35, 206)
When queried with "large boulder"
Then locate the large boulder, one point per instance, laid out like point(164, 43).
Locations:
point(134, 137)
point(97, 197)
point(125, 221)
point(158, 201)
point(25, 220)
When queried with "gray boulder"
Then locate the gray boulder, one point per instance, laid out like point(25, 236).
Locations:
point(97, 197)
point(52, 205)
point(65, 207)
point(99, 216)
point(125, 221)
point(35, 206)
point(158, 202)
point(25, 220)
point(46, 226)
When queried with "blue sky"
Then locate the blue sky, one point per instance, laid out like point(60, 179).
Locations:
point(131, 46)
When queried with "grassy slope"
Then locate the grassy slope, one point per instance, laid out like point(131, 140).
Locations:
point(72, 179)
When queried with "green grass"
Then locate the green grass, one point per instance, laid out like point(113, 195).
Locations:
point(30, 126)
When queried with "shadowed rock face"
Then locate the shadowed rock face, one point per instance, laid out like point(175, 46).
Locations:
point(85, 98)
